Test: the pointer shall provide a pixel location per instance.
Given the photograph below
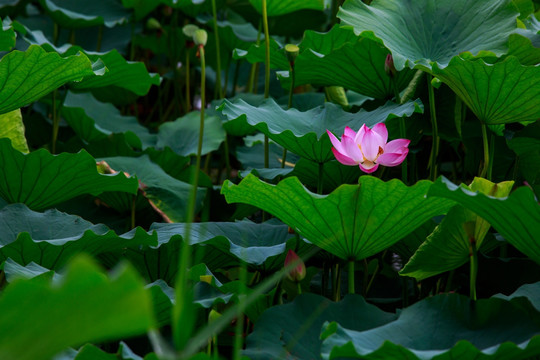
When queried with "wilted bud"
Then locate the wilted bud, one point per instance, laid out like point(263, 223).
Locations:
point(200, 37)
point(291, 52)
point(389, 66)
point(298, 273)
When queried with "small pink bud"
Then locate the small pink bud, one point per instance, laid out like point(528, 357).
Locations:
point(389, 66)
point(298, 273)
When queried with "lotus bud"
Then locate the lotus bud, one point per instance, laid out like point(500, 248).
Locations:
point(189, 30)
point(213, 316)
point(389, 67)
point(291, 52)
point(200, 37)
point(153, 24)
point(298, 273)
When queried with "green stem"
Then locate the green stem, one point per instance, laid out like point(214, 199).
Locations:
point(218, 54)
point(133, 211)
point(336, 282)
point(184, 297)
point(266, 75)
point(72, 37)
point(291, 88)
point(320, 179)
point(435, 141)
point(239, 328)
point(491, 156)
point(227, 160)
point(366, 277)
point(351, 276)
point(100, 38)
point(473, 254)
point(299, 287)
point(284, 158)
point(188, 87)
point(485, 165)
point(56, 34)
point(56, 122)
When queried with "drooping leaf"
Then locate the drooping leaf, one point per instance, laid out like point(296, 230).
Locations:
point(504, 92)
point(51, 238)
point(41, 180)
point(182, 135)
point(27, 76)
point(169, 195)
point(515, 217)
point(14, 271)
point(449, 246)
point(86, 306)
point(304, 133)
point(353, 222)
point(85, 13)
point(427, 31)
point(282, 7)
point(12, 127)
point(445, 326)
point(292, 331)
point(93, 120)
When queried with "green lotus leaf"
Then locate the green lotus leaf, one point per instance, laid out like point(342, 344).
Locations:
point(304, 133)
point(515, 217)
point(256, 53)
point(85, 306)
point(169, 195)
point(449, 246)
point(142, 8)
point(182, 135)
point(282, 7)
point(41, 180)
point(7, 37)
point(340, 58)
point(500, 93)
point(85, 13)
point(51, 238)
point(425, 31)
point(92, 352)
point(93, 120)
point(292, 331)
point(122, 75)
point(27, 76)
point(353, 222)
point(527, 149)
point(15, 271)
point(529, 291)
point(194, 7)
point(218, 245)
point(445, 326)
point(13, 128)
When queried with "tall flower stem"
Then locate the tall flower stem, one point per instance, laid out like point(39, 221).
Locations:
point(491, 156)
point(266, 75)
point(182, 314)
point(351, 276)
point(435, 136)
point(218, 54)
point(485, 165)
point(402, 129)
point(473, 254)
point(188, 85)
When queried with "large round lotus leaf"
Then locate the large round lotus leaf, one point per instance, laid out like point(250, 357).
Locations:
point(304, 133)
point(292, 331)
point(424, 31)
point(86, 306)
point(27, 76)
point(94, 120)
point(51, 238)
point(7, 38)
point(182, 135)
point(41, 180)
point(515, 217)
point(282, 7)
point(85, 13)
point(499, 93)
point(448, 326)
point(353, 222)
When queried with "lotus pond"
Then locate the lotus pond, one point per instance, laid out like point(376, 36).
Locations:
point(269, 179)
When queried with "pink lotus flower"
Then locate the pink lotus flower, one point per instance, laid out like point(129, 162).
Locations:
point(368, 148)
point(298, 273)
